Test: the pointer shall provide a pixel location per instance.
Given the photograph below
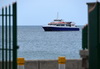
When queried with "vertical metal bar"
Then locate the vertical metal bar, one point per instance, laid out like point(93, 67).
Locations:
point(9, 37)
point(6, 36)
point(15, 36)
point(98, 46)
point(2, 38)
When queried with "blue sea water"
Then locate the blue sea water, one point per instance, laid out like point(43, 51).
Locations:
point(34, 43)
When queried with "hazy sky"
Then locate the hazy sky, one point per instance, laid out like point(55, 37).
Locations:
point(41, 12)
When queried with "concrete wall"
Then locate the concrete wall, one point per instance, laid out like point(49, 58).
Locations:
point(51, 64)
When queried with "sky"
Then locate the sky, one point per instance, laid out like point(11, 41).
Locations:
point(41, 12)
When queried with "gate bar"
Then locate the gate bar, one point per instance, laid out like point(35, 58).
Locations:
point(6, 44)
point(15, 36)
point(2, 38)
point(9, 38)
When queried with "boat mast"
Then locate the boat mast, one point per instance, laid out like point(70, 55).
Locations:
point(57, 15)
point(97, 1)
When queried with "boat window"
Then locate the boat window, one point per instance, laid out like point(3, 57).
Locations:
point(68, 25)
point(57, 25)
point(60, 25)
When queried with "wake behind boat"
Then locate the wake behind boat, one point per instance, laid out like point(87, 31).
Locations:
point(60, 25)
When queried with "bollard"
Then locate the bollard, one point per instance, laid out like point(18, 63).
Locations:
point(61, 62)
point(20, 62)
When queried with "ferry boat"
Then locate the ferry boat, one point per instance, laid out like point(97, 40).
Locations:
point(60, 25)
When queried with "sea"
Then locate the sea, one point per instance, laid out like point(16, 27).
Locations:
point(36, 44)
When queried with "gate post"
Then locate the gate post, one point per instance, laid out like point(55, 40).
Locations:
point(85, 37)
point(94, 35)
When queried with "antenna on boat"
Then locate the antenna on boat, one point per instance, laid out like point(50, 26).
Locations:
point(57, 15)
point(97, 1)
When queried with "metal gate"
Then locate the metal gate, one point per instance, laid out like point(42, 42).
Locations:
point(9, 37)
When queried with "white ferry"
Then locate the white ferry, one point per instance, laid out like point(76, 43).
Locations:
point(60, 25)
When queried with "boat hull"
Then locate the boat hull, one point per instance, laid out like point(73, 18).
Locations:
point(61, 29)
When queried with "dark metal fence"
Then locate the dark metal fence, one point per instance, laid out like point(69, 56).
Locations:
point(9, 37)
